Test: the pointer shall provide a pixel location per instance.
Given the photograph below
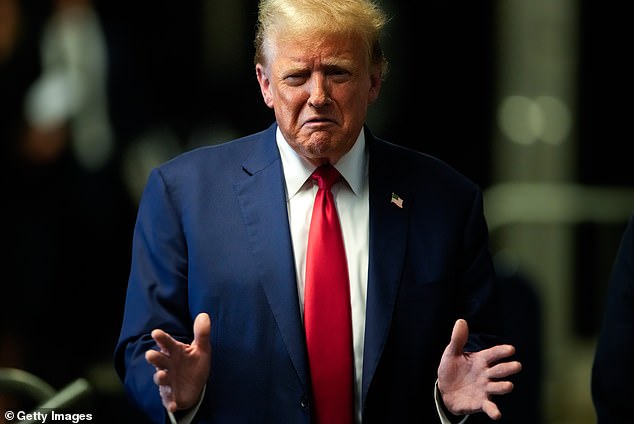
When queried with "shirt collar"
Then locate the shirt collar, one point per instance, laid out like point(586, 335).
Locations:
point(352, 166)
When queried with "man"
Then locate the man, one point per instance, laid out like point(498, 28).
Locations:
point(612, 369)
point(222, 243)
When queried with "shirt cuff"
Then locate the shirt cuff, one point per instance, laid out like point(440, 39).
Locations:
point(188, 417)
point(439, 408)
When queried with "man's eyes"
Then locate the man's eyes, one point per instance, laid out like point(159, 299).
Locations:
point(296, 79)
point(300, 78)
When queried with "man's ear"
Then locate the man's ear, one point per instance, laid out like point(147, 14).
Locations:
point(375, 85)
point(265, 84)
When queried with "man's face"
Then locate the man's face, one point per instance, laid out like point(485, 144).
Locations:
point(320, 89)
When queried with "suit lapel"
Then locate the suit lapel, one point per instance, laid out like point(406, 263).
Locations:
point(388, 234)
point(262, 200)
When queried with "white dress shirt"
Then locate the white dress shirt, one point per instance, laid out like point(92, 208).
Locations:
point(351, 196)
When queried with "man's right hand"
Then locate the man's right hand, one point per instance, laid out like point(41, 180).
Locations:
point(182, 369)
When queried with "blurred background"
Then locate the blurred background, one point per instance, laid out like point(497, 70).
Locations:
point(530, 99)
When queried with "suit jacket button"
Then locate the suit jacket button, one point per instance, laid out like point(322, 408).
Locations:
point(303, 402)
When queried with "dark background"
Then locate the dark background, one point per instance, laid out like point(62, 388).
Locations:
point(67, 246)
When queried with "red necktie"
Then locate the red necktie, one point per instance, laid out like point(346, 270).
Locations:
point(327, 315)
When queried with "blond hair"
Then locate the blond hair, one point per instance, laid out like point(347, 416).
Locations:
point(296, 18)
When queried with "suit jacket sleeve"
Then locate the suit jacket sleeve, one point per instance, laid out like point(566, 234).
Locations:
point(157, 293)
point(613, 367)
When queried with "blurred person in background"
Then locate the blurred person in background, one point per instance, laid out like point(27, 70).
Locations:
point(66, 206)
point(213, 328)
point(613, 368)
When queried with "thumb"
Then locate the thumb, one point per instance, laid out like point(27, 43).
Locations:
point(459, 337)
point(202, 330)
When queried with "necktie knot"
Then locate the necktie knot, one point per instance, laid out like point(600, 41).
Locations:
point(326, 176)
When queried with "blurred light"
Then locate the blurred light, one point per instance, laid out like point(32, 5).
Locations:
point(557, 119)
point(526, 121)
point(519, 120)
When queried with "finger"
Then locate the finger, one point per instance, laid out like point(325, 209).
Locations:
point(202, 330)
point(167, 397)
point(499, 387)
point(164, 341)
point(498, 352)
point(505, 369)
point(157, 359)
point(161, 378)
point(459, 337)
point(491, 410)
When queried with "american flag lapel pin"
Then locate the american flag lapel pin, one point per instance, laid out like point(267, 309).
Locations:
point(396, 199)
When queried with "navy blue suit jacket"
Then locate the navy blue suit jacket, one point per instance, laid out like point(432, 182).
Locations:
point(613, 366)
point(212, 235)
